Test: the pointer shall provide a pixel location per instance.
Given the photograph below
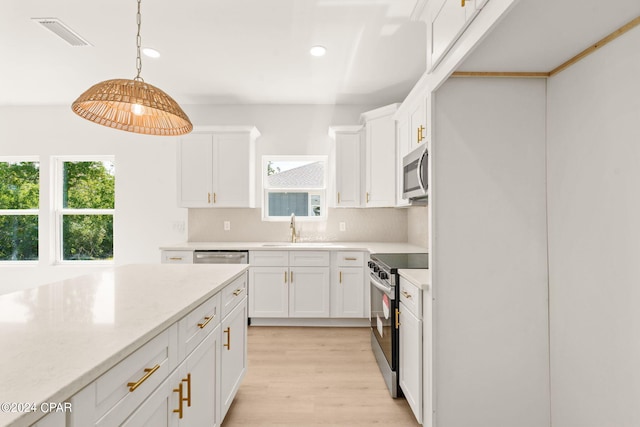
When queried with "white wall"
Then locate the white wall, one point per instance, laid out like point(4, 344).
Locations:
point(146, 209)
point(594, 238)
point(491, 351)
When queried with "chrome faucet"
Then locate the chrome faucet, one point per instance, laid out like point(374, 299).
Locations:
point(292, 227)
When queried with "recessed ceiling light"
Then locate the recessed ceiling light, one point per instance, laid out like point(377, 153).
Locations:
point(318, 50)
point(150, 52)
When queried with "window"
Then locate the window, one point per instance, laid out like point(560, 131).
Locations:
point(294, 185)
point(19, 208)
point(85, 203)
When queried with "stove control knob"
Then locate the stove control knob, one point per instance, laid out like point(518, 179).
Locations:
point(370, 264)
point(376, 268)
point(383, 275)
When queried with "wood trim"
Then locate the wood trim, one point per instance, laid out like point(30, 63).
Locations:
point(611, 37)
point(514, 74)
point(588, 51)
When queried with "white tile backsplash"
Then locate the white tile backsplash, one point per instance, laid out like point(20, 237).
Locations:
point(418, 226)
point(372, 224)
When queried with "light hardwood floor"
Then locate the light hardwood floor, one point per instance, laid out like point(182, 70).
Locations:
point(311, 377)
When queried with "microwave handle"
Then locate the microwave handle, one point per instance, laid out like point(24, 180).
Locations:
point(420, 178)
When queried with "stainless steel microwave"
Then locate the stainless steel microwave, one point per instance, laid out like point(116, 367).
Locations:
point(415, 174)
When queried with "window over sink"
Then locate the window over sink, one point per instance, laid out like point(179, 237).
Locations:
point(294, 185)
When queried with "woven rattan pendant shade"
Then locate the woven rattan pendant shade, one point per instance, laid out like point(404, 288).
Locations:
point(132, 106)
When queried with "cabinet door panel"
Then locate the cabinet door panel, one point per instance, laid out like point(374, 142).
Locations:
point(233, 355)
point(194, 170)
point(348, 169)
point(411, 359)
point(381, 163)
point(268, 292)
point(231, 176)
point(349, 293)
point(309, 292)
point(157, 410)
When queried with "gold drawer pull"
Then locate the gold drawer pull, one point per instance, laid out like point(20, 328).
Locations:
point(407, 294)
point(175, 258)
point(397, 318)
point(228, 332)
point(188, 381)
point(350, 258)
point(238, 291)
point(208, 197)
point(338, 197)
point(215, 198)
point(149, 372)
point(180, 400)
point(341, 277)
point(291, 276)
point(367, 197)
point(206, 321)
point(285, 277)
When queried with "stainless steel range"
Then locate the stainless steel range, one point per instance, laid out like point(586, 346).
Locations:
point(385, 297)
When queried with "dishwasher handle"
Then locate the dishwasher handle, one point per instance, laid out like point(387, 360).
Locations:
point(206, 257)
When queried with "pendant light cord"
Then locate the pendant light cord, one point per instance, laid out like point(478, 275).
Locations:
point(138, 44)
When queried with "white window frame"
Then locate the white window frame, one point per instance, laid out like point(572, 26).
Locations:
point(37, 212)
point(322, 192)
point(58, 211)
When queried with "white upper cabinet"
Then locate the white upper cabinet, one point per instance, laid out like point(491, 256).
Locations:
point(216, 167)
point(446, 21)
point(348, 160)
point(380, 157)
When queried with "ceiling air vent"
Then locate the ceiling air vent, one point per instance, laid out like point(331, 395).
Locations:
point(61, 30)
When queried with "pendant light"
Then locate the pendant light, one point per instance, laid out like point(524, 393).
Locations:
point(133, 105)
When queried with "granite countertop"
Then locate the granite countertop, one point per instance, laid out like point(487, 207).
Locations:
point(58, 338)
point(420, 277)
point(373, 247)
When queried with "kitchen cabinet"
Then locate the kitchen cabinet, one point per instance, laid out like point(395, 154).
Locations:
point(233, 358)
point(380, 157)
point(216, 167)
point(347, 160)
point(411, 346)
point(185, 376)
point(289, 284)
point(54, 419)
point(446, 21)
point(403, 141)
point(348, 285)
point(176, 257)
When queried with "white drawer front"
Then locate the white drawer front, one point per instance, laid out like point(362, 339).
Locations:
point(411, 296)
point(233, 293)
point(350, 259)
point(177, 257)
point(269, 258)
point(142, 371)
point(195, 326)
point(309, 258)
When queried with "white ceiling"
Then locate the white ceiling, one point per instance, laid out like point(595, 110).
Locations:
point(216, 51)
point(539, 35)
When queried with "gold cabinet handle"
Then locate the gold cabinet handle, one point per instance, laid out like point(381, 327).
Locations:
point(291, 276)
point(208, 197)
point(228, 332)
point(180, 400)
point(350, 258)
point(463, 1)
point(397, 318)
point(407, 294)
point(238, 291)
point(341, 277)
point(421, 130)
point(175, 258)
point(148, 373)
point(285, 277)
point(338, 197)
point(207, 319)
point(367, 197)
point(214, 198)
point(188, 381)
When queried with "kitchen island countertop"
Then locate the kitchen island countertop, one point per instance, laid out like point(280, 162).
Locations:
point(58, 338)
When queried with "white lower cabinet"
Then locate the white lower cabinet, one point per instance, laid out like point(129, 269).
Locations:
point(55, 419)
point(348, 285)
point(233, 358)
point(411, 346)
point(289, 284)
point(186, 376)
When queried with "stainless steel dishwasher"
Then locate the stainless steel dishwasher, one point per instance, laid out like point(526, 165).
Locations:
point(220, 257)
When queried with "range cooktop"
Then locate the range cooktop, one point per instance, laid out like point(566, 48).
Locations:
point(394, 262)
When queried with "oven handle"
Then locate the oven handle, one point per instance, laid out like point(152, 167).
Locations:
point(380, 286)
point(420, 177)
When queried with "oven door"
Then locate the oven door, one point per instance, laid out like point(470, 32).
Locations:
point(384, 335)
